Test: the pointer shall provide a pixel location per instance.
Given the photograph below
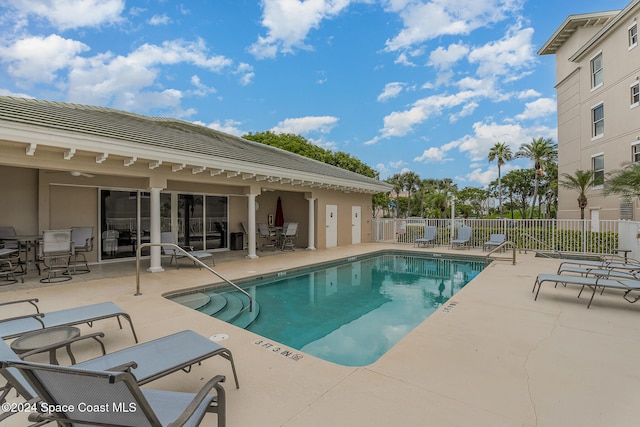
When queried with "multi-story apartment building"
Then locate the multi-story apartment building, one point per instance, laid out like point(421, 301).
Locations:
point(598, 95)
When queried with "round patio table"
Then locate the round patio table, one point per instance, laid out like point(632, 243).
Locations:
point(54, 338)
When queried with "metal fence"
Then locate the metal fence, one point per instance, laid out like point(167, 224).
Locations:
point(585, 236)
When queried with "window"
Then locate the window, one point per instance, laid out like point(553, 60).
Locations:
point(598, 170)
point(596, 71)
point(597, 118)
point(635, 153)
point(635, 94)
point(633, 36)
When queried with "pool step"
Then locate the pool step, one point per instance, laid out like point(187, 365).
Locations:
point(231, 307)
point(216, 303)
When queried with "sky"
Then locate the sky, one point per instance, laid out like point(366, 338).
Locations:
point(427, 86)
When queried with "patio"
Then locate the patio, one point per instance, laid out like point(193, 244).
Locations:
point(492, 356)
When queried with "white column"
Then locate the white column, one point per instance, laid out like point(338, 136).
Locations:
point(312, 224)
point(251, 227)
point(155, 265)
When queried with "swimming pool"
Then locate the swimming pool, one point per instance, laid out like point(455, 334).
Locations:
point(353, 311)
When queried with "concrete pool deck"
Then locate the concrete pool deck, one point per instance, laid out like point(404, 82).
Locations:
point(491, 356)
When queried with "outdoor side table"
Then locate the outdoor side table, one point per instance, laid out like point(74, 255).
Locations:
point(47, 337)
point(624, 251)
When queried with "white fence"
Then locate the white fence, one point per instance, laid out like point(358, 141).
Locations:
point(584, 236)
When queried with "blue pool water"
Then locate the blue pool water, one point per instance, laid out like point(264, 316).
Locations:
point(353, 312)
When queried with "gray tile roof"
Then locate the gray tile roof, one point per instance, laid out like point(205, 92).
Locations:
point(168, 134)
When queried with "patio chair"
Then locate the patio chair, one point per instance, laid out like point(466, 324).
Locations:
point(115, 398)
point(289, 234)
point(494, 241)
point(593, 283)
point(176, 254)
point(7, 232)
point(268, 235)
point(9, 264)
point(56, 250)
point(13, 327)
point(463, 238)
point(82, 238)
point(429, 237)
point(110, 242)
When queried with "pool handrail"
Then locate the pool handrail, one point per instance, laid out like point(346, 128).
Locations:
point(503, 245)
point(192, 258)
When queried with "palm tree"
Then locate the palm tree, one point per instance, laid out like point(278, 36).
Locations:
point(398, 185)
point(502, 153)
point(410, 181)
point(581, 181)
point(541, 151)
point(625, 181)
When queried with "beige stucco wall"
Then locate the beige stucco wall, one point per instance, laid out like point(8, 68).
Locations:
point(576, 98)
point(19, 207)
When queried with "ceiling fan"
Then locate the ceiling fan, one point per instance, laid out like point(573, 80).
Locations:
point(78, 173)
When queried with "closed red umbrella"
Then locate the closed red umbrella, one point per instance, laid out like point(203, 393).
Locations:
point(279, 220)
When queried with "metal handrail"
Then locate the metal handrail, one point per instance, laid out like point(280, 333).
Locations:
point(543, 244)
point(192, 258)
point(502, 245)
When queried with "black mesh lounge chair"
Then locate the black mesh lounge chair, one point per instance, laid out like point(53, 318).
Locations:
point(115, 398)
point(429, 237)
point(592, 283)
point(15, 326)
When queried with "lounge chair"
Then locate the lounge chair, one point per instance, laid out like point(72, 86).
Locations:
point(619, 273)
point(167, 237)
point(154, 359)
point(115, 398)
point(494, 241)
point(15, 326)
point(601, 264)
point(429, 237)
point(463, 238)
point(591, 282)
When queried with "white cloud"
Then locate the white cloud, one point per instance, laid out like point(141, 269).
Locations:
point(119, 80)
point(433, 155)
point(391, 90)
point(288, 23)
point(228, 126)
point(445, 58)
point(503, 57)
point(480, 177)
point(304, 125)
point(529, 93)
point(400, 123)
point(539, 108)
point(38, 59)
point(159, 20)
point(69, 14)
point(445, 17)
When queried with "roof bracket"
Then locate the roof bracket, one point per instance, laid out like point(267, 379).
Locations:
point(214, 172)
point(176, 168)
point(130, 161)
point(155, 164)
point(198, 169)
point(31, 149)
point(248, 175)
point(101, 157)
point(69, 153)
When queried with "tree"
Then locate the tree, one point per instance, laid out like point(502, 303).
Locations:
point(541, 151)
point(581, 181)
point(502, 153)
point(299, 145)
point(398, 185)
point(410, 181)
point(518, 183)
point(625, 181)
